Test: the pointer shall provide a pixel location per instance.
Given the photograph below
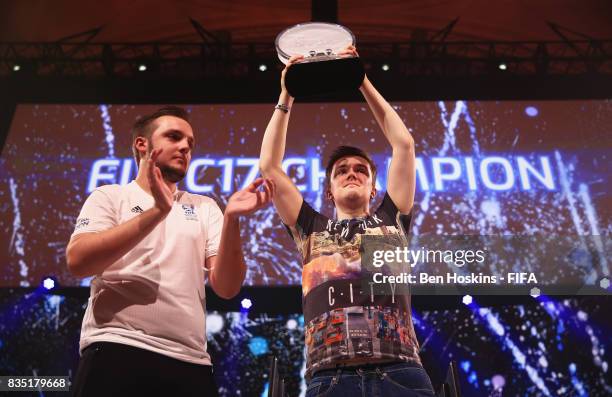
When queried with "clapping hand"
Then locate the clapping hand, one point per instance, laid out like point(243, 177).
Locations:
point(159, 189)
point(250, 199)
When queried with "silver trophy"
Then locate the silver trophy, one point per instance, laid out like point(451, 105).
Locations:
point(322, 70)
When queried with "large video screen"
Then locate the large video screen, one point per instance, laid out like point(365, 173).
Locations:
point(520, 168)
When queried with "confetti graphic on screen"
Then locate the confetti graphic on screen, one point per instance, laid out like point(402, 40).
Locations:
point(546, 348)
point(483, 168)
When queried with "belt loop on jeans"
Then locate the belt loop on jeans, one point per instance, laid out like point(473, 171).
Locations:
point(336, 377)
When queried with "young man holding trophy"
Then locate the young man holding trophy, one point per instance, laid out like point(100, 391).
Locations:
point(357, 343)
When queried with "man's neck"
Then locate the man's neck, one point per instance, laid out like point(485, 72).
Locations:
point(143, 182)
point(350, 213)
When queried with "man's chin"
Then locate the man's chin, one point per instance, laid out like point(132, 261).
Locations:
point(172, 174)
point(354, 197)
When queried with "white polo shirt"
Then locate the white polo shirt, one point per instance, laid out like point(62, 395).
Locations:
point(153, 297)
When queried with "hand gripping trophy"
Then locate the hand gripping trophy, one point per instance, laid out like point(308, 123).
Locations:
point(324, 68)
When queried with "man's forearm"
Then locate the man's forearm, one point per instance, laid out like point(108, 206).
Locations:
point(230, 269)
point(387, 118)
point(273, 144)
point(90, 254)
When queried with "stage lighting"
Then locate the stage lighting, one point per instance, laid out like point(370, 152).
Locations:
point(291, 324)
point(502, 66)
point(531, 111)
point(246, 303)
point(214, 323)
point(385, 67)
point(498, 382)
point(258, 346)
point(467, 299)
point(535, 292)
point(16, 68)
point(142, 67)
point(263, 67)
point(48, 283)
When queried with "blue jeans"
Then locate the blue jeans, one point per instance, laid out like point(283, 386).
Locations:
point(388, 380)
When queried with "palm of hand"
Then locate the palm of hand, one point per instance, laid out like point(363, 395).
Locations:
point(161, 192)
point(245, 202)
point(250, 199)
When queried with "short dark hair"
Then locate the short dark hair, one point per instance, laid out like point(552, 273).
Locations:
point(145, 125)
point(344, 151)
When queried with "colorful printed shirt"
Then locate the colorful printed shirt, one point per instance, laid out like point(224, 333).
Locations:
point(346, 323)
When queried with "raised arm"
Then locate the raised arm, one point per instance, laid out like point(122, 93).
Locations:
point(287, 198)
point(402, 172)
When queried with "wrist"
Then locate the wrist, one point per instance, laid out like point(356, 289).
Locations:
point(161, 211)
point(283, 108)
point(230, 215)
point(285, 98)
point(364, 83)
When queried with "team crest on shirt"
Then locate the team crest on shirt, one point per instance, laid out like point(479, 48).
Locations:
point(81, 223)
point(190, 213)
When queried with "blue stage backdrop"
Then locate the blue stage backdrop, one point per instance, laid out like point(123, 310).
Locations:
point(484, 168)
point(546, 348)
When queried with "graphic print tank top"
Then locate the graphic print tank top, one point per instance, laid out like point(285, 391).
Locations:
point(346, 323)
